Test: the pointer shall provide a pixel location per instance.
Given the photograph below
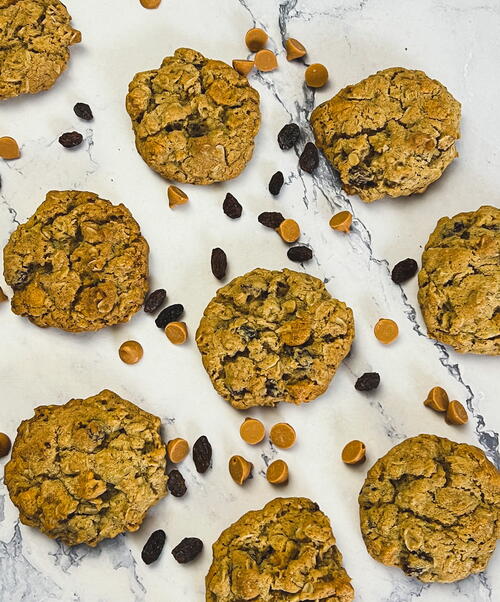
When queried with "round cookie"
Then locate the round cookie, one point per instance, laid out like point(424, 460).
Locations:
point(392, 133)
point(34, 40)
point(432, 507)
point(79, 263)
point(272, 336)
point(194, 119)
point(87, 470)
point(286, 551)
point(459, 281)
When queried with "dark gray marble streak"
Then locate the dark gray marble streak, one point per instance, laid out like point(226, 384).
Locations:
point(10, 209)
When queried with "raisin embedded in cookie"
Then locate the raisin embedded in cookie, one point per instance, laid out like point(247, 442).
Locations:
point(392, 133)
point(459, 281)
point(79, 263)
point(34, 40)
point(286, 551)
point(87, 470)
point(432, 507)
point(194, 119)
point(271, 336)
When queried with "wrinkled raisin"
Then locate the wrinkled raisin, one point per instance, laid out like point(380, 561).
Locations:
point(404, 270)
point(187, 550)
point(170, 314)
point(361, 177)
point(276, 183)
point(70, 139)
point(176, 484)
point(309, 159)
point(153, 547)
point(155, 300)
point(288, 136)
point(367, 381)
point(218, 262)
point(202, 454)
point(299, 254)
point(271, 219)
point(231, 207)
point(83, 111)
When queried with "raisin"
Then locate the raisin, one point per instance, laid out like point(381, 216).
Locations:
point(83, 111)
point(458, 226)
point(196, 129)
point(288, 136)
point(70, 139)
point(309, 159)
point(231, 207)
point(465, 235)
point(404, 270)
point(276, 183)
point(176, 484)
point(153, 547)
point(187, 550)
point(202, 454)
point(155, 300)
point(299, 254)
point(271, 219)
point(361, 178)
point(367, 381)
point(218, 262)
point(170, 314)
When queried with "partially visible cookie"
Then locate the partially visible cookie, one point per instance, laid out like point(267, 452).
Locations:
point(459, 281)
point(87, 470)
point(272, 336)
point(194, 119)
point(392, 133)
point(286, 551)
point(34, 40)
point(79, 263)
point(431, 507)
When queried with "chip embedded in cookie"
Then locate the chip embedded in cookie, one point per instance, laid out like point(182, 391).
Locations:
point(79, 263)
point(431, 507)
point(87, 470)
point(286, 551)
point(34, 40)
point(459, 283)
point(391, 134)
point(272, 336)
point(194, 119)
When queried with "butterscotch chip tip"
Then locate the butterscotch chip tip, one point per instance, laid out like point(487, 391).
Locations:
point(283, 435)
point(243, 66)
point(130, 352)
point(316, 75)
point(3, 296)
point(5, 445)
point(341, 221)
point(9, 149)
point(456, 413)
point(354, 452)
point(386, 330)
point(176, 332)
point(277, 472)
point(437, 399)
point(239, 469)
point(256, 39)
point(294, 49)
point(150, 3)
point(252, 431)
point(177, 450)
point(176, 196)
point(265, 60)
point(289, 230)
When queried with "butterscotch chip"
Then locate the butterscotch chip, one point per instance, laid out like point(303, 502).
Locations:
point(131, 352)
point(177, 450)
point(283, 435)
point(176, 332)
point(9, 148)
point(239, 469)
point(289, 230)
point(256, 39)
point(252, 431)
point(354, 452)
point(277, 472)
point(151, 3)
point(437, 399)
point(5, 445)
point(456, 413)
point(316, 75)
point(265, 60)
point(3, 296)
point(386, 330)
point(176, 196)
point(294, 49)
point(242, 66)
point(341, 221)
point(295, 332)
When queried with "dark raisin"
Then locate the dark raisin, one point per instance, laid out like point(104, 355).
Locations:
point(176, 484)
point(299, 254)
point(276, 183)
point(218, 262)
point(465, 235)
point(70, 139)
point(367, 381)
point(458, 226)
point(155, 300)
point(231, 207)
point(309, 159)
point(83, 111)
point(187, 550)
point(271, 219)
point(288, 136)
point(247, 332)
point(153, 547)
point(170, 314)
point(202, 454)
point(196, 129)
point(361, 177)
point(404, 270)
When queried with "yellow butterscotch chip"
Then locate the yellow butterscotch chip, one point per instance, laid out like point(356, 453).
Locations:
point(437, 399)
point(295, 332)
point(239, 469)
point(289, 230)
point(386, 330)
point(176, 332)
point(242, 66)
point(176, 196)
point(283, 435)
point(151, 3)
point(9, 148)
point(252, 431)
point(177, 450)
point(456, 413)
point(265, 60)
point(294, 49)
point(277, 472)
point(5, 445)
point(256, 39)
point(316, 75)
point(3, 296)
point(130, 352)
point(354, 452)
point(341, 221)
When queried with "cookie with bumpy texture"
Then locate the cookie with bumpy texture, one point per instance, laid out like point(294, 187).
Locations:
point(459, 281)
point(34, 40)
point(194, 119)
point(272, 336)
point(286, 551)
point(392, 133)
point(431, 507)
point(79, 263)
point(87, 470)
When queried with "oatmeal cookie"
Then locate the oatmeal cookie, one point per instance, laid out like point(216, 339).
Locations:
point(194, 119)
point(432, 507)
point(272, 336)
point(87, 470)
point(391, 134)
point(286, 551)
point(459, 281)
point(79, 263)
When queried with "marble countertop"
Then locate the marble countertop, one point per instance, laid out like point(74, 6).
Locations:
point(455, 41)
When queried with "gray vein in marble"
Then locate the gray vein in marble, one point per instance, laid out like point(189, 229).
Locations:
point(10, 209)
point(2, 507)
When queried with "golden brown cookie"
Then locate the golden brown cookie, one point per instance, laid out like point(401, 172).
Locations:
point(459, 283)
point(79, 263)
point(286, 551)
point(392, 133)
point(87, 470)
point(194, 119)
point(432, 507)
point(272, 336)
point(34, 40)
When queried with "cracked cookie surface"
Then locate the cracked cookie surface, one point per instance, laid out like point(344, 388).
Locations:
point(79, 263)
point(34, 40)
point(272, 336)
point(432, 507)
point(286, 551)
point(391, 134)
point(459, 283)
point(87, 470)
point(194, 119)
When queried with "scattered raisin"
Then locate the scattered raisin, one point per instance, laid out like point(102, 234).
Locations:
point(70, 139)
point(219, 263)
point(176, 484)
point(170, 314)
point(299, 254)
point(276, 183)
point(288, 136)
point(153, 547)
point(155, 300)
point(231, 207)
point(404, 270)
point(271, 219)
point(309, 159)
point(202, 454)
point(187, 550)
point(367, 381)
point(361, 177)
point(83, 111)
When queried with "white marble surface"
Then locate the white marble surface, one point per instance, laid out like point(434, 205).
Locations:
point(455, 41)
